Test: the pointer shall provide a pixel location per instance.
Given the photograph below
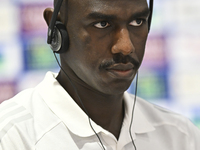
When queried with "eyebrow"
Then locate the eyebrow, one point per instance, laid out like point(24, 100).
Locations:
point(142, 13)
point(98, 15)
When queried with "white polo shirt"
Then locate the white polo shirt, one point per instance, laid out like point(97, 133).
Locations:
point(47, 118)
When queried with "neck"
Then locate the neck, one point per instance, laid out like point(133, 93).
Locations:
point(106, 110)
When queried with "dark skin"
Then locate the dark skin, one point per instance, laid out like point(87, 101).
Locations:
point(107, 42)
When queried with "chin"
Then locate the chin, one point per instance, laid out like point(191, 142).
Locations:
point(115, 90)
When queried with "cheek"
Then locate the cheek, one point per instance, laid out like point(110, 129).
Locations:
point(79, 39)
point(94, 49)
point(85, 52)
point(139, 42)
point(142, 49)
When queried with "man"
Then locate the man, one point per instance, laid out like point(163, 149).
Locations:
point(85, 106)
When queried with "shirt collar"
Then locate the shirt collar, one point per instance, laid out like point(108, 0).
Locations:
point(60, 102)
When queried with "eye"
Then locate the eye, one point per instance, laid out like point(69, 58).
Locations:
point(102, 24)
point(137, 22)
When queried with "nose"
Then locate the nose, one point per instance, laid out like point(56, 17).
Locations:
point(123, 43)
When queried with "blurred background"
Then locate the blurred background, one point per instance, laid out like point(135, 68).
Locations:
point(169, 75)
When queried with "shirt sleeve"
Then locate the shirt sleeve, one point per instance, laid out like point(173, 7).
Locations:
point(14, 140)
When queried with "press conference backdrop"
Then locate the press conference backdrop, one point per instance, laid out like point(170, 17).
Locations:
point(169, 75)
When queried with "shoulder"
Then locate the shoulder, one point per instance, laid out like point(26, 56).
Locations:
point(14, 118)
point(22, 120)
point(175, 127)
point(157, 114)
point(162, 118)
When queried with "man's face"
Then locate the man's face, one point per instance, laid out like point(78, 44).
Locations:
point(107, 42)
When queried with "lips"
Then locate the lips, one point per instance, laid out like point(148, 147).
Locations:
point(121, 70)
point(121, 67)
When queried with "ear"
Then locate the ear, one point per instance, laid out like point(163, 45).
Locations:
point(47, 14)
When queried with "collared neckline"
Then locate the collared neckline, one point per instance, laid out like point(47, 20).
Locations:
point(62, 104)
point(75, 119)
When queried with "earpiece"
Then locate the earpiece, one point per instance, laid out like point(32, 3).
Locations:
point(57, 33)
point(60, 39)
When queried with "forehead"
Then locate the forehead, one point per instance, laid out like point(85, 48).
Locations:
point(82, 2)
point(87, 6)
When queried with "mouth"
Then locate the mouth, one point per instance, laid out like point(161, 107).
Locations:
point(121, 70)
